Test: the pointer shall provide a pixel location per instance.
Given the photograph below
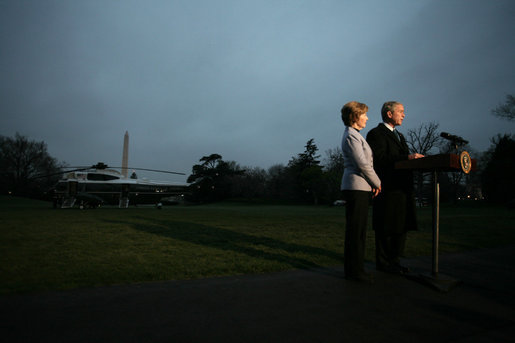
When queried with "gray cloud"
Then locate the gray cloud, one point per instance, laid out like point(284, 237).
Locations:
point(252, 81)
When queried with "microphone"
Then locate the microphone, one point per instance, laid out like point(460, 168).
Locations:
point(453, 138)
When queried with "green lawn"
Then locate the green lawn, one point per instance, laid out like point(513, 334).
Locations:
point(46, 249)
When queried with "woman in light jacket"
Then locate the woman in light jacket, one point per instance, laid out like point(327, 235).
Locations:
point(359, 181)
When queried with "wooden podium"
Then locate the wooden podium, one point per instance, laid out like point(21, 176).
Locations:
point(435, 164)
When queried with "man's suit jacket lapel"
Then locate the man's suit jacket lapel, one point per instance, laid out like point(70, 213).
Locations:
point(391, 135)
point(402, 140)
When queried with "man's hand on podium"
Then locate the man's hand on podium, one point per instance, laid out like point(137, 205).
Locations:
point(415, 156)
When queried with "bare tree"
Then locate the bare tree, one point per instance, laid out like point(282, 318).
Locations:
point(497, 175)
point(506, 110)
point(423, 138)
point(334, 160)
point(251, 184)
point(22, 163)
point(278, 184)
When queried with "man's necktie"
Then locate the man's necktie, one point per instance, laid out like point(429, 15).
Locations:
point(397, 135)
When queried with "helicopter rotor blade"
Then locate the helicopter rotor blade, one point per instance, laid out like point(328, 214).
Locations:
point(102, 166)
point(158, 171)
point(73, 169)
point(40, 176)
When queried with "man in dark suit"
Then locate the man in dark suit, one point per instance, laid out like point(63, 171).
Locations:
point(394, 208)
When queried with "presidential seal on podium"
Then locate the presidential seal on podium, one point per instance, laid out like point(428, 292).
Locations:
point(465, 162)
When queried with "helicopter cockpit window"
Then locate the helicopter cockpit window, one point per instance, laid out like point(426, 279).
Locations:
point(101, 177)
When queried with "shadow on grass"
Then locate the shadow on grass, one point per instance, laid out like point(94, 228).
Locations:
point(241, 243)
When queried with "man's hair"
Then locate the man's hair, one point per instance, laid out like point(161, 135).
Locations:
point(351, 112)
point(388, 106)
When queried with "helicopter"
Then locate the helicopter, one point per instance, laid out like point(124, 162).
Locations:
point(99, 184)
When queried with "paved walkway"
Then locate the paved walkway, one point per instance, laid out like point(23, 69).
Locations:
point(296, 306)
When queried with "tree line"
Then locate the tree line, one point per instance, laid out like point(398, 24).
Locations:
point(26, 169)
point(303, 180)
point(306, 180)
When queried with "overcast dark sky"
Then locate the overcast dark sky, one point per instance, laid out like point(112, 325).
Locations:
point(250, 80)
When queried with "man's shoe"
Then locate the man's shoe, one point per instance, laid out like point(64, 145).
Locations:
point(403, 269)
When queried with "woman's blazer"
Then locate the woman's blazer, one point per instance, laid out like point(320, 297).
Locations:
point(358, 163)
